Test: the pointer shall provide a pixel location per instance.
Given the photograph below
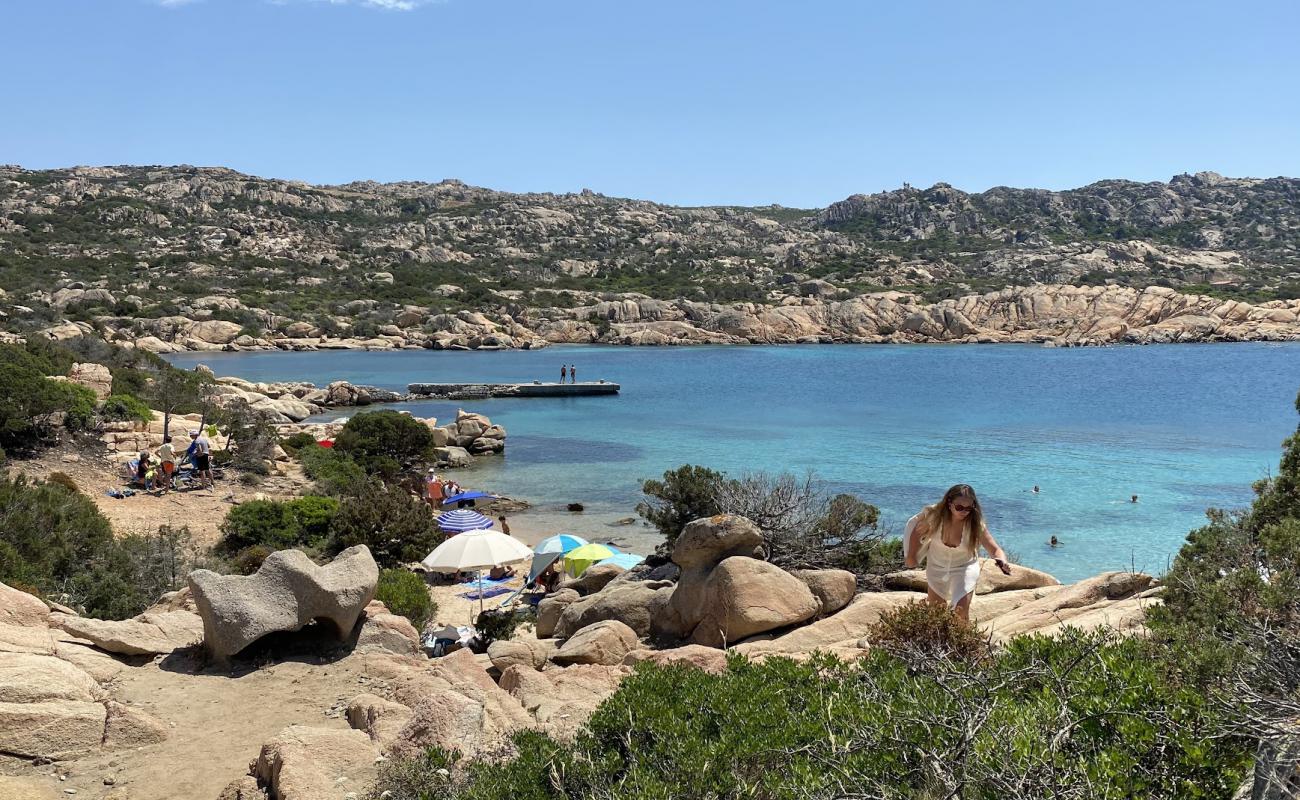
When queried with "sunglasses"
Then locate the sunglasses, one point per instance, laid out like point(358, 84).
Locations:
point(961, 508)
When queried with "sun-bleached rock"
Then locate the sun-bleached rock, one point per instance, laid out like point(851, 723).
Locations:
point(130, 727)
point(287, 592)
point(378, 718)
point(148, 634)
point(707, 541)
point(745, 596)
point(1089, 602)
point(20, 608)
point(709, 659)
point(606, 642)
point(304, 763)
point(833, 588)
point(991, 579)
point(632, 603)
point(31, 678)
point(524, 651)
point(446, 719)
point(844, 627)
point(51, 729)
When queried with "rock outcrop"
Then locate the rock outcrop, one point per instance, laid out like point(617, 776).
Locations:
point(305, 763)
point(607, 643)
point(149, 633)
point(286, 593)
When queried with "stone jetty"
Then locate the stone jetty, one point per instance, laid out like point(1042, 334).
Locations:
point(534, 389)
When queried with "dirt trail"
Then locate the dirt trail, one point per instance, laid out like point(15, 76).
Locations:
point(218, 723)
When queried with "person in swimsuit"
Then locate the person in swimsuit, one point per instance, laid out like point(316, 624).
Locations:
point(951, 533)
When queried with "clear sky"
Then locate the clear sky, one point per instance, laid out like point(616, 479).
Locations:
point(797, 103)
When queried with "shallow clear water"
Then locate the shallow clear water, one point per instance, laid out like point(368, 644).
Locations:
point(1185, 427)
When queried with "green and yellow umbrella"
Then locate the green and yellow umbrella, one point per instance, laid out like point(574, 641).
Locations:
point(578, 559)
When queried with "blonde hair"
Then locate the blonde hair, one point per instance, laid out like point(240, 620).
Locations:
point(937, 515)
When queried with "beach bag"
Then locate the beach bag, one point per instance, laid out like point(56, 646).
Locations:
point(924, 549)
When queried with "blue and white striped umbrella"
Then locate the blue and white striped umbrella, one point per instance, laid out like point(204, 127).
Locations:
point(463, 519)
point(561, 543)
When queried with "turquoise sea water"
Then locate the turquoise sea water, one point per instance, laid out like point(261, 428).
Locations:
point(1185, 427)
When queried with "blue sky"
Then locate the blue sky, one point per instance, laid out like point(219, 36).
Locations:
point(798, 103)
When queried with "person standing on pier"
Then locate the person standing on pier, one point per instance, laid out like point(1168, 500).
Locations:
point(573, 374)
point(564, 372)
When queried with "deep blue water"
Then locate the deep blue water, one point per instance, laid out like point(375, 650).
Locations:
point(1185, 427)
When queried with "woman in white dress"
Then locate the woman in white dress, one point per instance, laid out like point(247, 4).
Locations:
point(948, 535)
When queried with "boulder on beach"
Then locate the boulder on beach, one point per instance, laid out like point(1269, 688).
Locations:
point(286, 593)
point(607, 642)
point(745, 596)
point(709, 540)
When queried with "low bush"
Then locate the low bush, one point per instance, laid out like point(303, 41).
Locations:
point(397, 527)
point(303, 522)
point(496, 624)
point(125, 407)
point(685, 494)
point(406, 594)
point(249, 560)
point(31, 404)
point(385, 442)
point(54, 540)
point(921, 631)
point(1085, 716)
point(292, 444)
point(335, 473)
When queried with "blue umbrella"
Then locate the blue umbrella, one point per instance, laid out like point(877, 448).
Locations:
point(561, 543)
point(463, 519)
point(456, 498)
point(624, 560)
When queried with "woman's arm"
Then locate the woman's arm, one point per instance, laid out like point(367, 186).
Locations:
point(913, 543)
point(995, 551)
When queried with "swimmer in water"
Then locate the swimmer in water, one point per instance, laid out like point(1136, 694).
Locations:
point(1133, 499)
point(1035, 488)
point(1054, 542)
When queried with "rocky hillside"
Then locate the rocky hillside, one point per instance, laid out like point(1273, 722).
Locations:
point(111, 247)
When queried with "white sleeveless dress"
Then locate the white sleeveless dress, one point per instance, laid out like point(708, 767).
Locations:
point(952, 572)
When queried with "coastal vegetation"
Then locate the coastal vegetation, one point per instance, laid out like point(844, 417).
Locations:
point(933, 710)
point(406, 595)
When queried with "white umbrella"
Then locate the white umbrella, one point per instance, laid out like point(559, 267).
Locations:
point(477, 550)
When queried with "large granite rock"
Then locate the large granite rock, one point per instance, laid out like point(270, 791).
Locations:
point(709, 659)
point(287, 592)
point(991, 579)
point(51, 729)
point(148, 634)
point(445, 719)
point(1114, 599)
point(633, 604)
point(833, 588)
point(840, 630)
point(21, 609)
point(595, 578)
point(303, 763)
point(550, 610)
point(378, 718)
point(95, 377)
point(31, 678)
point(745, 596)
point(561, 700)
point(606, 642)
point(709, 540)
point(379, 629)
point(524, 651)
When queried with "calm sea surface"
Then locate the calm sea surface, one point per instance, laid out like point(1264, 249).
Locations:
point(1185, 427)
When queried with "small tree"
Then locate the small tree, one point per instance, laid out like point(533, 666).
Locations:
point(397, 527)
point(173, 390)
point(686, 493)
point(385, 442)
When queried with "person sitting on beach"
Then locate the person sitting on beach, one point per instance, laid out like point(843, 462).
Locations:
point(142, 469)
point(549, 579)
point(951, 532)
point(498, 573)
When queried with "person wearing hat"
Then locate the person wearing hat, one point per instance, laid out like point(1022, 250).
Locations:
point(202, 455)
point(433, 489)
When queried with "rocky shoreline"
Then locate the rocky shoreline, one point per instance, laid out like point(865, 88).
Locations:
point(1053, 315)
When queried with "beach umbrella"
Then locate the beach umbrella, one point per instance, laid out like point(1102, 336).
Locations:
point(561, 543)
point(540, 562)
point(463, 519)
point(477, 550)
point(624, 560)
point(578, 559)
point(456, 498)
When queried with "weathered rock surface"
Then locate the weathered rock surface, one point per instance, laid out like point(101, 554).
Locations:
point(563, 699)
point(842, 629)
point(303, 763)
point(148, 634)
point(550, 610)
point(745, 596)
point(95, 377)
point(379, 629)
point(21, 609)
point(51, 729)
point(523, 651)
point(445, 719)
point(606, 642)
point(833, 588)
point(707, 541)
point(378, 718)
point(595, 578)
point(1117, 599)
point(991, 579)
point(31, 678)
point(287, 592)
point(633, 604)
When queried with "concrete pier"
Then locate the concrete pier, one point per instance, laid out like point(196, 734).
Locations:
point(459, 391)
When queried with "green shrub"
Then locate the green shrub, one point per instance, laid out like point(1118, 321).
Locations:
point(298, 441)
point(335, 474)
point(385, 442)
point(122, 407)
point(406, 594)
point(54, 539)
point(249, 560)
point(397, 527)
point(923, 631)
point(685, 494)
point(497, 624)
point(1083, 716)
point(278, 525)
point(29, 400)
